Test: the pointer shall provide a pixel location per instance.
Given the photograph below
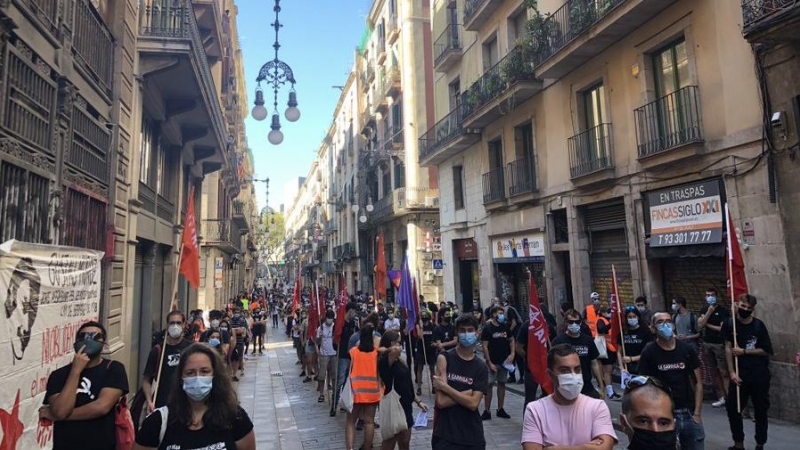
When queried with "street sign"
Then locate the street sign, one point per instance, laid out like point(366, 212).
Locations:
point(438, 264)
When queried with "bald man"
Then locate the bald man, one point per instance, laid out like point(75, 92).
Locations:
point(647, 417)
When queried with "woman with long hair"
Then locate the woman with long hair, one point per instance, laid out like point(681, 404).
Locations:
point(203, 410)
point(396, 375)
point(366, 388)
point(635, 337)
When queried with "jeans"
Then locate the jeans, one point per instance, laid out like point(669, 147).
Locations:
point(755, 388)
point(690, 434)
point(342, 370)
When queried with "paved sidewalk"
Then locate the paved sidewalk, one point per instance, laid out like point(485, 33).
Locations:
point(287, 416)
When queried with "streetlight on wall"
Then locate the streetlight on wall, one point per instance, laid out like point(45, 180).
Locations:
point(276, 73)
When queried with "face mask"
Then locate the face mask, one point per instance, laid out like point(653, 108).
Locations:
point(574, 328)
point(745, 314)
point(197, 388)
point(329, 321)
point(425, 320)
point(467, 340)
point(675, 307)
point(215, 324)
point(650, 440)
point(223, 328)
point(501, 318)
point(92, 347)
point(570, 385)
point(175, 331)
point(711, 300)
point(641, 308)
point(607, 315)
point(214, 342)
point(455, 311)
point(665, 331)
point(596, 302)
point(391, 316)
point(633, 323)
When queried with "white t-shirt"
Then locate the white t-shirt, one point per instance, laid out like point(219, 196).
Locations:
point(548, 424)
point(392, 324)
point(325, 334)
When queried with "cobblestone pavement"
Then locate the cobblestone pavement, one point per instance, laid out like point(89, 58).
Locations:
point(287, 416)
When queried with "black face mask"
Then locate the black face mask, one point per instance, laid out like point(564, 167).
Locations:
point(745, 313)
point(652, 440)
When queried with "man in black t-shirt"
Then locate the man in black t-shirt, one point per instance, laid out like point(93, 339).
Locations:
point(81, 396)
point(676, 365)
point(444, 335)
point(461, 380)
point(498, 349)
point(175, 343)
point(343, 357)
point(259, 328)
point(585, 348)
point(521, 349)
point(753, 348)
point(710, 322)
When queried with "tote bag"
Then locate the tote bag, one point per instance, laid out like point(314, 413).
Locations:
point(600, 343)
point(346, 397)
point(392, 415)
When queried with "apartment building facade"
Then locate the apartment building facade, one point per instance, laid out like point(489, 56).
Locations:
point(575, 137)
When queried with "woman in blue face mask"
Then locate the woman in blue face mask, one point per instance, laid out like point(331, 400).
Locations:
point(203, 410)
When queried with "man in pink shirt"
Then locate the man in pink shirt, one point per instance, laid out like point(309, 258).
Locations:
point(566, 419)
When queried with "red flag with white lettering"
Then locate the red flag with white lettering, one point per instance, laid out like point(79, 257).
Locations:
point(190, 252)
point(340, 312)
point(737, 282)
point(537, 340)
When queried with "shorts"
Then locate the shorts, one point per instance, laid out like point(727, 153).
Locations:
point(237, 352)
point(325, 365)
point(310, 349)
point(430, 353)
point(611, 360)
point(296, 342)
point(715, 356)
point(258, 329)
point(501, 376)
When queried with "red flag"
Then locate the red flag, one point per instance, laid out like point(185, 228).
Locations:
point(340, 312)
point(380, 271)
point(313, 316)
point(616, 310)
point(190, 253)
point(737, 282)
point(537, 341)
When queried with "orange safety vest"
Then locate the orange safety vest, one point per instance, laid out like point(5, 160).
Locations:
point(611, 346)
point(591, 320)
point(364, 376)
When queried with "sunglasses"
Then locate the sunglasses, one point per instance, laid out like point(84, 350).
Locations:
point(87, 336)
point(630, 309)
point(573, 321)
point(641, 380)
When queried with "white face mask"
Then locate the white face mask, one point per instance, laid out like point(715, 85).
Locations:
point(570, 385)
point(175, 331)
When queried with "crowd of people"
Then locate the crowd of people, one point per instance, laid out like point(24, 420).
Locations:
point(370, 354)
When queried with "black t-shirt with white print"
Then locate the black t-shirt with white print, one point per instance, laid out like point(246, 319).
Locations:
point(172, 356)
point(750, 336)
point(587, 352)
point(182, 438)
point(674, 368)
point(457, 424)
point(498, 339)
point(94, 434)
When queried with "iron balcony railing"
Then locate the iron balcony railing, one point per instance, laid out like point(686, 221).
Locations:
point(572, 19)
point(449, 127)
point(393, 138)
point(514, 67)
point(446, 42)
point(494, 187)
point(93, 45)
point(755, 10)
point(521, 177)
point(471, 7)
point(221, 232)
point(338, 251)
point(668, 122)
point(349, 250)
point(591, 151)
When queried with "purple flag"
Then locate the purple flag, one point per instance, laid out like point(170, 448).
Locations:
point(405, 296)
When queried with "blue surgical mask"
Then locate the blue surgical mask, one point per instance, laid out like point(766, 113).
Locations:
point(574, 328)
point(712, 300)
point(633, 323)
point(214, 342)
point(665, 331)
point(197, 388)
point(467, 340)
point(675, 307)
point(501, 318)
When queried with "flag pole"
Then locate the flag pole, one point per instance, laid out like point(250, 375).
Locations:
point(618, 307)
point(732, 235)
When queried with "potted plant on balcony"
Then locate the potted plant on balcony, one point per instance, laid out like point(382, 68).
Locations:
point(543, 37)
point(582, 13)
point(516, 67)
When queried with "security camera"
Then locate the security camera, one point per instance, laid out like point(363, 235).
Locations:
point(777, 119)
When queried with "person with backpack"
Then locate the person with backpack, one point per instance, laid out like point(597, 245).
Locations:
point(203, 410)
point(685, 323)
point(81, 397)
point(163, 362)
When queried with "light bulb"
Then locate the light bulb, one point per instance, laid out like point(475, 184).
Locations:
point(355, 208)
point(362, 219)
point(370, 207)
point(292, 114)
point(275, 137)
point(259, 112)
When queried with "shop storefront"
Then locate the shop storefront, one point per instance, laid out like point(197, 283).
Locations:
point(512, 256)
point(685, 243)
point(608, 248)
point(469, 286)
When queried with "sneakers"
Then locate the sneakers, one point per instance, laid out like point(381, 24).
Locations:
point(486, 415)
point(503, 414)
point(719, 403)
point(307, 380)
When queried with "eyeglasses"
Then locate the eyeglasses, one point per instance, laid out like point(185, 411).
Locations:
point(573, 321)
point(641, 380)
point(88, 336)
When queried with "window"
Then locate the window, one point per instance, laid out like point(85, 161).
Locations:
point(458, 186)
point(146, 155)
point(523, 141)
point(517, 26)
point(454, 91)
point(397, 116)
point(490, 53)
point(671, 67)
point(594, 108)
point(495, 154)
point(399, 174)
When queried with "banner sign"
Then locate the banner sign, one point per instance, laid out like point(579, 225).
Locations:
point(524, 246)
point(48, 292)
point(218, 262)
point(686, 215)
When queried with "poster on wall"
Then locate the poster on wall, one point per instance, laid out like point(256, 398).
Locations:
point(218, 262)
point(686, 215)
point(521, 246)
point(48, 292)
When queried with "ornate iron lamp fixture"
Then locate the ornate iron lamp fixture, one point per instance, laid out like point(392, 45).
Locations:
point(276, 73)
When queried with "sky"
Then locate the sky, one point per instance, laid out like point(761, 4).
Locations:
point(318, 41)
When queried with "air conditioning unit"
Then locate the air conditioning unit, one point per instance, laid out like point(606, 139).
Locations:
point(432, 202)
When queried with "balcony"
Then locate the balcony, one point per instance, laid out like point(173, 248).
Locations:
point(392, 29)
point(379, 98)
point(521, 177)
point(223, 234)
point(771, 21)
point(348, 251)
point(477, 12)
point(330, 227)
point(175, 66)
point(392, 86)
point(381, 50)
point(581, 29)
point(328, 267)
point(338, 251)
point(670, 126)
point(241, 216)
point(591, 155)
point(508, 84)
point(447, 49)
point(402, 201)
point(446, 139)
point(393, 140)
point(494, 186)
point(92, 45)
